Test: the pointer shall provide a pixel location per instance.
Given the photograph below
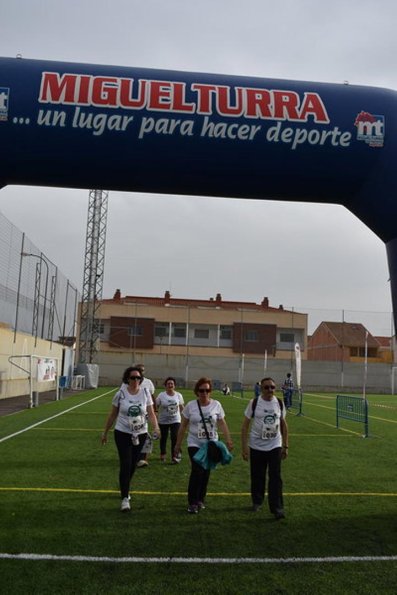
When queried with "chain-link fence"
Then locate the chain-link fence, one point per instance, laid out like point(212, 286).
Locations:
point(35, 297)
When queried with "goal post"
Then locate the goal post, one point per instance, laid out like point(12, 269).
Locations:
point(39, 369)
point(353, 409)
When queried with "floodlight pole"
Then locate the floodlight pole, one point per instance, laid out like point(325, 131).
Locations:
point(41, 259)
point(94, 263)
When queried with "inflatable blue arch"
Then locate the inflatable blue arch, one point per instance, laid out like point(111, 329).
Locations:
point(132, 129)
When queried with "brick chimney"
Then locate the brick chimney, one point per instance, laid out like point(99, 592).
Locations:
point(265, 302)
point(167, 297)
point(117, 295)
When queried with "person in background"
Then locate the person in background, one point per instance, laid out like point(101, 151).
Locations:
point(288, 389)
point(148, 384)
point(268, 445)
point(214, 416)
point(257, 389)
point(226, 389)
point(132, 406)
point(169, 405)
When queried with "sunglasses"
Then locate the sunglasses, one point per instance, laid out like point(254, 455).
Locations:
point(204, 390)
point(269, 387)
point(135, 377)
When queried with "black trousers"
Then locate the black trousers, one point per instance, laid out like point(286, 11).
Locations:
point(261, 462)
point(128, 457)
point(173, 430)
point(198, 480)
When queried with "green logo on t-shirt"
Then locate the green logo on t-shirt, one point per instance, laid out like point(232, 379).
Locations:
point(134, 411)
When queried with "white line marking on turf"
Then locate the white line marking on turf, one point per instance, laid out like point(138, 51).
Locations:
point(53, 417)
point(154, 560)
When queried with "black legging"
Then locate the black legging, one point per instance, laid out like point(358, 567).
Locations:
point(173, 429)
point(198, 480)
point(128, 456)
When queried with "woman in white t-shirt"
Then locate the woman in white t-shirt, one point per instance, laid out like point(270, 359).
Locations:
point(169, 404)
point(268, 445)
point(132, 406)
point(214, 416)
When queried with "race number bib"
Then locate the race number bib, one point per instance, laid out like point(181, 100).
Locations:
point(269, 431)
point(137, 423)
point(201, 431)
point(172, 410)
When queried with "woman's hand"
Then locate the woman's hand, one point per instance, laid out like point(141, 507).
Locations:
point(109, 423)
point(284, 452)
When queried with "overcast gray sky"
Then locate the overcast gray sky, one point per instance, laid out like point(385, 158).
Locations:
point(300, 255)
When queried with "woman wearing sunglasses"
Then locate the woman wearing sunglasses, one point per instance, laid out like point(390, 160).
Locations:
point(214, 416)
point(268, 445)
point(132, 406)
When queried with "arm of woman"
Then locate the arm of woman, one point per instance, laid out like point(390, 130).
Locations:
point(154, 403)
point(153, 419)
point(225, 431)
point(244, 438)
point(109, 422)
point(181, 435)
point(284, 435)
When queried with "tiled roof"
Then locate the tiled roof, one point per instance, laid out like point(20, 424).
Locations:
point(217, 302)
point(384, 341)
point(351, 334)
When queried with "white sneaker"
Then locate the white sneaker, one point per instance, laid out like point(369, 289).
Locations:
point(125, 505)
point(142, 463)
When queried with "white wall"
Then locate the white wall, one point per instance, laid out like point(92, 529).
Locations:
point(14, 381)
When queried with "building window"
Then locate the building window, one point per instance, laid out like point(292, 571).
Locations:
point(180, 331)
point(287, 338)
point(226, 333)
point(201, 333)
point(251, 336)
point(371, 352)
point(161, 330)
point(135, 331)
